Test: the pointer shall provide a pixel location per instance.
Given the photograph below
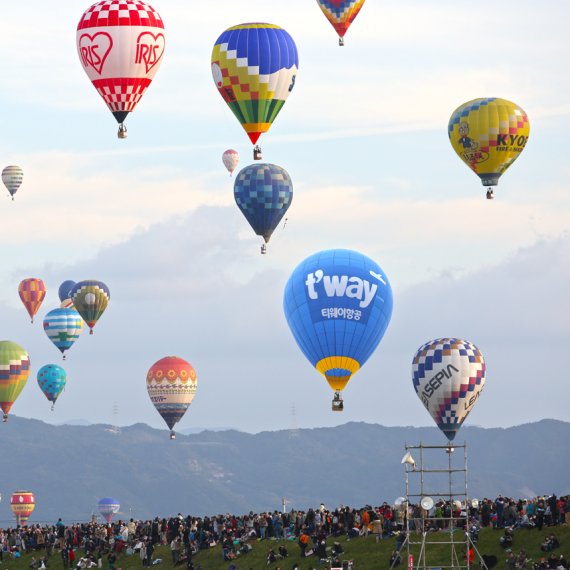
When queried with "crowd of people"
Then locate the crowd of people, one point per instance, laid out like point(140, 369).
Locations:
point(96, 545)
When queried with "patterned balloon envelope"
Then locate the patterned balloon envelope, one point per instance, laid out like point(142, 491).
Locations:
point(14, 372)
point(263, 193)
point(120, 45)
point(63, 327)
point(340, 13)
point(12, 176)
point(230, 158)
point(23, 504)
point(64, 290)
point(254, 67)
point(108, 507)
point(51, 380)
point(32, 291)
point(338, 304)
point(448, 376)
point(171, 384)
point(90, 299)
point(488, 135)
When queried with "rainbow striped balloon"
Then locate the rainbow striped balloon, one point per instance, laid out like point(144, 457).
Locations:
point(14, 372)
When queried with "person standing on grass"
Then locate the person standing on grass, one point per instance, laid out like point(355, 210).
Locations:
point(111, 559)
point(175, 550)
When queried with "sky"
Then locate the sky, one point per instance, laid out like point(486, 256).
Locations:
point(364, 138)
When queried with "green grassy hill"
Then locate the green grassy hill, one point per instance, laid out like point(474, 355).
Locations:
point(366, 553)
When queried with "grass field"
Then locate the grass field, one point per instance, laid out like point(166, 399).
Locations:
point(365, 553)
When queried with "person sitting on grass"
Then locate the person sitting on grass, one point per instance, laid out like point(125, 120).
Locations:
point(506, 540)
point(550, 543)
point(283, 551)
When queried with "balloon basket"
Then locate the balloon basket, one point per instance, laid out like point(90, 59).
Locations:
point(122, 132)
point(5, 418)
point(340, 42)
point(337, 403)
point(172, 435)
point(257, 154)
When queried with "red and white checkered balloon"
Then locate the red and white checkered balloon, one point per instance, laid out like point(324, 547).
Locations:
point(121, 46)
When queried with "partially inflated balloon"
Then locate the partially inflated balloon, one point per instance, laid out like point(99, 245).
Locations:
point(448, 376)
point(12, 176)
point(488, 135)
point(120, 45)
point(108, 507)
point(338, 304)
point(23, 504)
point(51, 380)
point(14, 372)
point(90, 299)
point(32, 291)
point(254, 67)
point(63, 327)
point(263, 193)
point(230, 158)
point(64, 290)
point(171, 384)
point(340, 13)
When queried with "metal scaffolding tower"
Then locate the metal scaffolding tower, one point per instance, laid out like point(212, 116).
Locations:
point(436, 482)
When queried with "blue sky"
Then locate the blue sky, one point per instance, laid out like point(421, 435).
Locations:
point(364, 139)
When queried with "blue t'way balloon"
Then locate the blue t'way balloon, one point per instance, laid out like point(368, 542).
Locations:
point(338, 304)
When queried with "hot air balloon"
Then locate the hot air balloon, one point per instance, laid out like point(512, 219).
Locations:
point(90, 298)
point(32, 292)
point(448, 376)
point(254, 67)
point(120, 45)
point(23, 504)
point(488, 135)
point(338, 304)
point(263, 193)
point(14, 372)
point(64, 290)
point(230, 158)
point(171, 385)
point(108, 507)
point(51, 380)
point(12, 176)
point(340, 13)
point(63, 327)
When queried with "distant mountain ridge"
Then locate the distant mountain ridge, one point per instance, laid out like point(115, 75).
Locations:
point(70, 467)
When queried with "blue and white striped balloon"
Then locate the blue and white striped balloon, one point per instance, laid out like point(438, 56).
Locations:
point(63, 327)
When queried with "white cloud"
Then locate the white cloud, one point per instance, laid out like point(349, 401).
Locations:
point(194, 289)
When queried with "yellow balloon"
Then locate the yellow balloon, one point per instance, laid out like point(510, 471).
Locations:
point(488, 135)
